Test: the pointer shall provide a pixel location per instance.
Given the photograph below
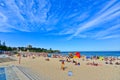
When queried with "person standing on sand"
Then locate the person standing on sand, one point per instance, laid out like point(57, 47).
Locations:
point(19, 55)
point(63, 65)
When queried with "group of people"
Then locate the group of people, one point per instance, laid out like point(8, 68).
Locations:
point(108, 60)
point(93, 63)
point(112, 61)
point(68, 60)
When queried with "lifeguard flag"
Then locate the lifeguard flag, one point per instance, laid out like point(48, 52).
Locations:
point(78, 54)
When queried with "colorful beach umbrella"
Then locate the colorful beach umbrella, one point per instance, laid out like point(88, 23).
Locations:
point(77, 54)
point(101, 58)
point(75, 57)
point(88, 57)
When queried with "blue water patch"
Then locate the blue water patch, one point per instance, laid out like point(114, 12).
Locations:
point(95, 53)
point(2, 74)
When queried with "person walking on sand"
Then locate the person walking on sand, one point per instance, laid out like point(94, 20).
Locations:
point(63, 65)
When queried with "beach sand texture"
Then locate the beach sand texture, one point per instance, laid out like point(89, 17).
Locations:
point(52, 69)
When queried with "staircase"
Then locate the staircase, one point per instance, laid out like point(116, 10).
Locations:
point(30, 74)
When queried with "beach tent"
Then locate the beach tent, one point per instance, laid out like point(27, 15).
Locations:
point(101, 58)
point(118, 57)
point(77, 55)
point(49, 55)
point(88, 57)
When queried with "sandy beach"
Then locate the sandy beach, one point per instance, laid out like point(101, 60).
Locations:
point(52, 69)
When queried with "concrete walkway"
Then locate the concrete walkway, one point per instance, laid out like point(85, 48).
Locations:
point(21, 73)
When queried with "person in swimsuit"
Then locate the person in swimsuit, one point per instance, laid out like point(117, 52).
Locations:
point(63, 65)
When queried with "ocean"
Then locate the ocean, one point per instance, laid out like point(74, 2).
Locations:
point(94, 53)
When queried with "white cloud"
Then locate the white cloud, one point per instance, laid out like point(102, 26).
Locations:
point(108, 31)
point(110, 3)
point(67, 31)
point(111, 13)
point(3, 18)
point(110, 36)
point(21, 15)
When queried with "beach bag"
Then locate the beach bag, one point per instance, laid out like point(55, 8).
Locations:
point(70, 73)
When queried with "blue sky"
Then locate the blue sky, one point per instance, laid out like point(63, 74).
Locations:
point(67, 25)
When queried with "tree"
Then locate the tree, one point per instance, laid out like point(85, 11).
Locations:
point(29, 47)
point(3, 48)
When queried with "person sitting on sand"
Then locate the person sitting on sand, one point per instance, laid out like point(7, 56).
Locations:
point(74, 61)
point(95, 64)
point(111, 61)
point(33, 57)
point(117, 63)
point(47, 59)
point(106, 62)
point(78, 63)
point(68, 60)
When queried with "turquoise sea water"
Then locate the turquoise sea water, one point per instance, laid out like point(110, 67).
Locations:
point(94, 53)
point(2, 74)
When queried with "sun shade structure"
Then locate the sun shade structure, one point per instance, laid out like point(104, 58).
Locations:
point(88, 57)
point(101, 58)
point(77, 55)
point(49, 55)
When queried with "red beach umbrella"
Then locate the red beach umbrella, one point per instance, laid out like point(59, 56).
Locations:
point(78, 54)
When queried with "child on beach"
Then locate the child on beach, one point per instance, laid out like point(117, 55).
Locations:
point(63, 65)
